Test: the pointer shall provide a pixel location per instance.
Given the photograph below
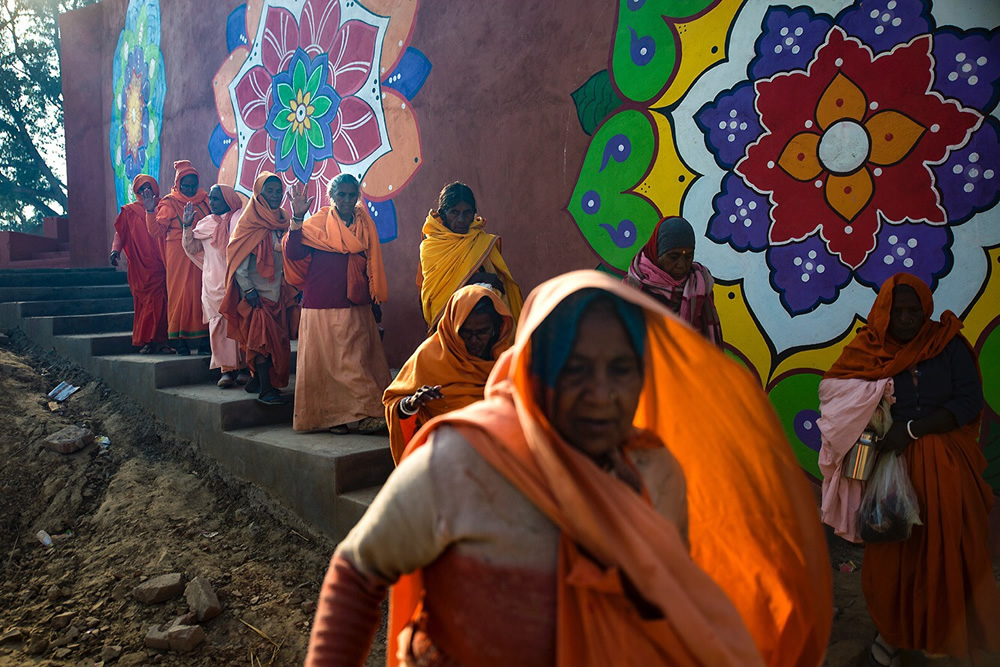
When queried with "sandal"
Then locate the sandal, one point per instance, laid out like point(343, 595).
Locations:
point(162, 348)
point(339, 430)
point(227, 380)
point(146, 349)
point(273, 397)
point(242, 378)
point(890, 657)
point(372, 425)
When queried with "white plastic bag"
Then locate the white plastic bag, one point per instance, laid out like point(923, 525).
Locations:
point(889, 508)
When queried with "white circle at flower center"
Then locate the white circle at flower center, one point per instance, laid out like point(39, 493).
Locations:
point(844, 147)
point(300, 113)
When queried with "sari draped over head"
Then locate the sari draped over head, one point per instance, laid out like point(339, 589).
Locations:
point(874, 354)
point(697, 302)
point(443, 360)
point(171, 207)
point(253, 233)
point(756, 587)
point(448, 260)
point(326, 231)
point(141, 180)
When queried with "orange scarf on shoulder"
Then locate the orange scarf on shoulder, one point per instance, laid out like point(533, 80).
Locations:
point(756, 587)
point(326, 231)
point(874, 354)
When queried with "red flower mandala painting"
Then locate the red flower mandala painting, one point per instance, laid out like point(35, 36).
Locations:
point(849, 149)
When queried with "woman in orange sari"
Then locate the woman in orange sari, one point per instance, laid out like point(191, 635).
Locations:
point(550, 525)
point(449, 369)
point(934, 591)
point(184, 206)
point(456, 246)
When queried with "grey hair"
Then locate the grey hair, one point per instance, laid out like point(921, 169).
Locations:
point(339, 180)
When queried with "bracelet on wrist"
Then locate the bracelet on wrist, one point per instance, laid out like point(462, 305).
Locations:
point(909, 430)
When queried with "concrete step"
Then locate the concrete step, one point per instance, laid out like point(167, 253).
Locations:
point(8, 294)
point(204, 408)
point(351, 506)
point(94, 344)
point(90, 323)
point(62, 278)
point(62, 259)
point(328, 480)
point(171, 370)
point(49, 269)
point(74, 307)
point(51, 254)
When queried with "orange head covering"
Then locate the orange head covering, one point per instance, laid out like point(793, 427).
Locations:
point(142, 179)
point(874, 354)
point(758, 558)
point(253, 232)
point(181, 169)
point(175, 201)
point(443, 360)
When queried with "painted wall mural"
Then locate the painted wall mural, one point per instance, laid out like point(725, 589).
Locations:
point(139, 86)
point(313, 88)
point(818, 148)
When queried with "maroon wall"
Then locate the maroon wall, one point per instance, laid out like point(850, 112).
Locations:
point(86, 82)
point(496, 112)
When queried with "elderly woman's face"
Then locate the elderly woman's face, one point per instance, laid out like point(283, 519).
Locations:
point(459, 217)
point(216, 202)
point(907, 315)
point(477, 332)
point(597, 391)
point(188, 185)
point(345, 198)
point(676, 262)
point(271, 191)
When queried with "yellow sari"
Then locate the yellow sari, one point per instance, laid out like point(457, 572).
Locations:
point(448, 260)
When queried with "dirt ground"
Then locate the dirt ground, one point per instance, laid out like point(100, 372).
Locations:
point(151, 504)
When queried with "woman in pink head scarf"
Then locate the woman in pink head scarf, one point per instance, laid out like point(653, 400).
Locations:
point(205, 243)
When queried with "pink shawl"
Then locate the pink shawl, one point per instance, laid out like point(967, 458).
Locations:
point(846, 406)
point(697, 302)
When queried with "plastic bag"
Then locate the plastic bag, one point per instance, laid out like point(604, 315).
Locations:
point(889, 508)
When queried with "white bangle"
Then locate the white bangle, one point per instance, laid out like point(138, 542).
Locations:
point(909, 432)
point(405, 411)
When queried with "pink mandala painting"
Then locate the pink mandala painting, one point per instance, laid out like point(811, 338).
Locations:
point(313, 88)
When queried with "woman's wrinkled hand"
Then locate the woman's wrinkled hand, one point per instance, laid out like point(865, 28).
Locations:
point(423, 396)
point(148, 200)
point(300, 205)
point(188, 217)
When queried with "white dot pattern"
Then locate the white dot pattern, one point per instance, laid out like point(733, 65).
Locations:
point(966, 68)
point(900, 251)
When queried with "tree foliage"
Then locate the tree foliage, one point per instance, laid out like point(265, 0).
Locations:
point(32, 142)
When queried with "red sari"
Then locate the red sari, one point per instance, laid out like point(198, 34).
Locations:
point(147, 276)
